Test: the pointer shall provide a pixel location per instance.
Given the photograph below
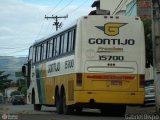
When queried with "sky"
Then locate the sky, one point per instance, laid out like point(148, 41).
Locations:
point(22, 21)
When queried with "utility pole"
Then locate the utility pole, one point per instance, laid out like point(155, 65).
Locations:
point(156, 49)
point(56, 23)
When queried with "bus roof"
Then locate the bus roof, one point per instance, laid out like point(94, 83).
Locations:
point(74, 23)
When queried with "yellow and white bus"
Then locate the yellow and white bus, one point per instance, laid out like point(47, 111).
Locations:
point(98, 61)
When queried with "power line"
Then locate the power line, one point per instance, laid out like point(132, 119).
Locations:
point(44, 19)
point(124, 3)
point(40, 28)
point(130, 10)
point(56, 23)
point(60, 11)
point(77, 7)
point(47, 27)
point(117, 7)
point(51, 30)
point(64, 7)
point(54, 7)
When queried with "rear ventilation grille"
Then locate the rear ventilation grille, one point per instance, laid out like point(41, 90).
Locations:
point(71, 90)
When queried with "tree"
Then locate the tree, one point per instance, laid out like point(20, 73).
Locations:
point(15, 93)
point(4, 81)
point(23, 90)
point(21, 82)
point(13, 84)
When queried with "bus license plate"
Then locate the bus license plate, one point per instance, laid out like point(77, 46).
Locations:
point(116, 83)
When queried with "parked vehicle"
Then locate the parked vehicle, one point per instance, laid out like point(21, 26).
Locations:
point(149, 92)
point(1, 99)
point(18, 99)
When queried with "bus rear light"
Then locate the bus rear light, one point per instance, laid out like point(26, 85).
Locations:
point(112, 77)
point(79, 79)
point(141, 81)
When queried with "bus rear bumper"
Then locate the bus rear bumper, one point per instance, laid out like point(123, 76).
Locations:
point(128, 98)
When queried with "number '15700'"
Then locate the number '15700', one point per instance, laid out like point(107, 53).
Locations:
point(111, 58)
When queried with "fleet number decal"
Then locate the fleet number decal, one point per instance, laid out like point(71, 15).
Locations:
point(111, 58)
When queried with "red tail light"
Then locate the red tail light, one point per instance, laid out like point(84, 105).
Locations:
point(142, 81)
point(79, 79)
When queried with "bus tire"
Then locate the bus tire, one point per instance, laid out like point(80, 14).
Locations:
point(37, 107)
point(59, 106)
point(67, 109)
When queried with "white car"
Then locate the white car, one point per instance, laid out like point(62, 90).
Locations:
point(149, 92)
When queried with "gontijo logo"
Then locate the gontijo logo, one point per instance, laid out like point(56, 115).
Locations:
point(111, 29)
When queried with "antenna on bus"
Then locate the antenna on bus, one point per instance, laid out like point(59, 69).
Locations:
point(56, 23)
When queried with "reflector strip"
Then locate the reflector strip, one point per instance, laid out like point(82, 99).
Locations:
point(111, 77)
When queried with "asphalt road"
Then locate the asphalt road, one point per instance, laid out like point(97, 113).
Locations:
point(26, 112)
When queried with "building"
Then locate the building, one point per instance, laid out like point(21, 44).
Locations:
point(144, 9)
point(9, 90)
point(141, 8)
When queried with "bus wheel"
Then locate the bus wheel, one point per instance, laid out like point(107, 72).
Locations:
point(59, 105)
point(37, 107)
point(67, 109)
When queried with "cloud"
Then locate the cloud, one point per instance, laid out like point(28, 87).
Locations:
point(23, 23)
point(20, 23)
point(4, 30)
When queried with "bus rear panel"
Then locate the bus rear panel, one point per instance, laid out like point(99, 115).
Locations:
point(111, 52)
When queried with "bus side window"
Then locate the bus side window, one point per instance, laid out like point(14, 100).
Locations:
point(30, 53)
point(74, 39)
point(65, 43)
point(48, 49)
point(44, 50)
point(38, 53)
point(71, 37)
point(34, 55)
point(58, 46)
point(62, 44)
point(54, 46)
point(69, 41)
